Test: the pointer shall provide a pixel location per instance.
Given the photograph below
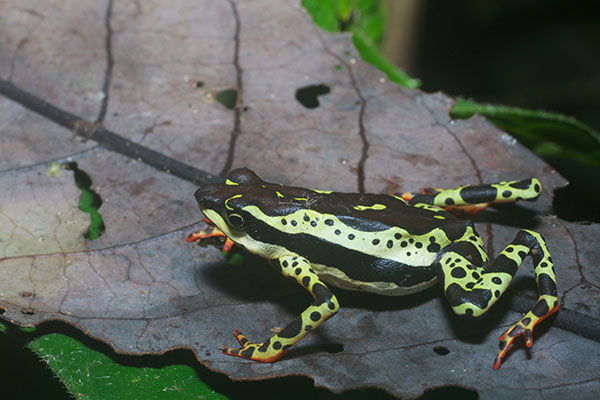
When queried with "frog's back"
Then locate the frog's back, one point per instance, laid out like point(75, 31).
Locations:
point(368, 242)
point(379, 212)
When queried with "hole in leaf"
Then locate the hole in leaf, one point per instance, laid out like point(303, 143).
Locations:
point(228, 98)
point(332, 347)
point(338, 68)
point(89, 201)
point(27, 311)
point(308, 95)
point(441, 350)
point(198, 84)
point(27, 294)
point(2, 310)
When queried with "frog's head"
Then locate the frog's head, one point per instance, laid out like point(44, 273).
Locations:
point(241, 205)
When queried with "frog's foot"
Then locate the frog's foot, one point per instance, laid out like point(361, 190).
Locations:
point(522, 328)
point(261, 352)
point(203, 235)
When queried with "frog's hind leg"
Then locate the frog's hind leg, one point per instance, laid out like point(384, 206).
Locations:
point(324, 307)
point(472, 199)
point(472, 290)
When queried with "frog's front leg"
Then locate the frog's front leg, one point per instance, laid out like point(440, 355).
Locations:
point(324, 307)
point(472, 289)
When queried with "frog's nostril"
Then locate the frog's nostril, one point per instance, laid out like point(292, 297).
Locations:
point(203, 199)
point(199, 194)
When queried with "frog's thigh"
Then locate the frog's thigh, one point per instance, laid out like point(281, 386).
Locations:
point(469, 288)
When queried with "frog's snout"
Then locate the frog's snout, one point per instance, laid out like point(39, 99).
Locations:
point(207, 196)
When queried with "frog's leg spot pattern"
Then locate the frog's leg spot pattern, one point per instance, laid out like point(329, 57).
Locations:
point(324, 307)
point(472, 199)
point(472, 294)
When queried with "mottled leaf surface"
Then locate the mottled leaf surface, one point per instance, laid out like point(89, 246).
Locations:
point(151, 72)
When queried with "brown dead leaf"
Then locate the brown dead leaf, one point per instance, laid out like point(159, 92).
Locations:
point(142, 289)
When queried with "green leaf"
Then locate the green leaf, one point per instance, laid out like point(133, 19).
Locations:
point(366, 19)
point(91, 374)
point(547, 134)
point(374, 57)
point(97, 376)
point(324, 14)
point(345, 9)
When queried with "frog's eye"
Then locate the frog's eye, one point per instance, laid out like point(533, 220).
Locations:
point(234, 220)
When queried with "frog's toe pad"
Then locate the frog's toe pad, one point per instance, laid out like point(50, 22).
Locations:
point(243, 352)
point(195, 237)
point(261, 352)
point(522, 328)
point(240, 337)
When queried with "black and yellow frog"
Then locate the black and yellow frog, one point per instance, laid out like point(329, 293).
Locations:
point(384, 244)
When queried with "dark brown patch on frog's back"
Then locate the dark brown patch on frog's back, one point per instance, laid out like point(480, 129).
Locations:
point(279, 200)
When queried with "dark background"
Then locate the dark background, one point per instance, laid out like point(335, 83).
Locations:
point(534, 54)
